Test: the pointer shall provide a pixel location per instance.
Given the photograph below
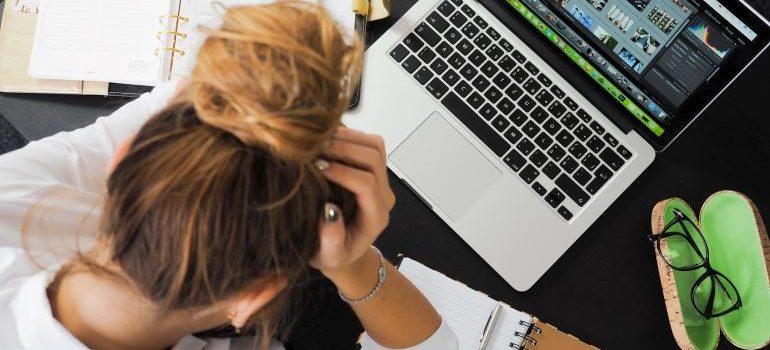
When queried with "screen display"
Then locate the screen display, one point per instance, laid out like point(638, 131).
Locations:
point(650, 56)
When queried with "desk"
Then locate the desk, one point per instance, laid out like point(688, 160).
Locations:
point(605, 289)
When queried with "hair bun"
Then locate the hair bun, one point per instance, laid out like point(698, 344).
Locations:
point(274, 83)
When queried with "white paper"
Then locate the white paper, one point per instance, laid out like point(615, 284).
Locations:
point(25, 6)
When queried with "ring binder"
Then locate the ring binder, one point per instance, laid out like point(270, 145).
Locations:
point(169, 49)
point(170, 32)
point(162, 19)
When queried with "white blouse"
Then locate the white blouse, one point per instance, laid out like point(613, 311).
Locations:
point(76, 162)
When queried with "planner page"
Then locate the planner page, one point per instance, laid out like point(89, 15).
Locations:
point(105, 40)
point(466, 310)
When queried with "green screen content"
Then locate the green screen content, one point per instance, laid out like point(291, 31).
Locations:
point(587, 67)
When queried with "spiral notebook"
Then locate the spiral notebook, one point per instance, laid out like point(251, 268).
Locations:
point(140, 42)
point(468, 313)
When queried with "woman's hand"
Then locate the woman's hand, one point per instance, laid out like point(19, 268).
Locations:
point(357, 162)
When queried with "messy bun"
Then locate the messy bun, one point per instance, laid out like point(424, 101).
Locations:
point(277, 76)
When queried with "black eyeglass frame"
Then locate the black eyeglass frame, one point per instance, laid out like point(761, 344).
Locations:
point(704, 263)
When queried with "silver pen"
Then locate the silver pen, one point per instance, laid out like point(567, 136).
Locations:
point(490, 326)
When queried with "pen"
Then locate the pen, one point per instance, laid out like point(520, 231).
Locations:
point(489, 327)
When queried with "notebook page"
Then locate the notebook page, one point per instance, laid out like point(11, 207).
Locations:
point(105, 40)
point(464, 309)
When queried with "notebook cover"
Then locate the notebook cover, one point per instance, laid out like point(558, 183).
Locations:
point(543, 336)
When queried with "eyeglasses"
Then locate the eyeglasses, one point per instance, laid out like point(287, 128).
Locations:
point(683, 247)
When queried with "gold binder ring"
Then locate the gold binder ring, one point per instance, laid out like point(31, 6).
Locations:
point(162, 19)
point(159, 50)
point(170, 32)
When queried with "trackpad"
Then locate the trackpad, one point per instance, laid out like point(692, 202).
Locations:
point(445, 166)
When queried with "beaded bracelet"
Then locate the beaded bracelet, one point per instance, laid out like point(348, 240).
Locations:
point(381, 274)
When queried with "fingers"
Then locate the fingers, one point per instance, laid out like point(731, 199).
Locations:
point(373, 209)
point(355, 136)
point(332, 239)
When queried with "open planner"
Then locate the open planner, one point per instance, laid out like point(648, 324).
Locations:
point(468, 313)
point(140, 42)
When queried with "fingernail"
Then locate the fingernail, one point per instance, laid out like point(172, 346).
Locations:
point(322, 164)
point(331, 212)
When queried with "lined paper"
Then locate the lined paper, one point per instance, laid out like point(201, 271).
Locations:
point(464, 309)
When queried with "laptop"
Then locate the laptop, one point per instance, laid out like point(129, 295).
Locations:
point(519, 122)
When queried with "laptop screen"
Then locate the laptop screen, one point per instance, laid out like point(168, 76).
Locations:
point(662, 61)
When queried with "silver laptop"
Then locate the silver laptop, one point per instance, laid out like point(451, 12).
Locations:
point(520, 121)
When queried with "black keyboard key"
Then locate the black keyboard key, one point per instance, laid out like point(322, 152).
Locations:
point(564, 138)
point(544, 80)
point(477, 58)
point(612, 159)
point(551, 126)
point(565, 213)
point(569, 121)
point(624, 152)
point(519, 75)
point(595, 144)
point(572, 190)
point(463, 89)
point(444, 49)
point(556, 153)
point(506, 45)
point(487, 111)
point(531, 68)
point(484, 132)
point(437, 22)
point(555, 197)
point(571, 104)
point(529, 173)
point(451, 77)
point(557, 109)
point(514, 92)
point(569, 164)
point(495, 52)
point(538, 158)
point(456, 60)
point(413, 42)
point(437, 88)
point(482, 41)
point(505, 106)
point(518, 117)
point(458, 19)
point(507, 63)
point(475, 100)
point(543, 141)
point(423, 75)
point(526, 103)
point(468, 72)
point(582, 176)
point(518, 56)
point(515, 160)
point(582, 132)
point(411, 64)
point(426, 33)
point(399, 53)
point(426, 55)
point(577, 150)
point(544, 97)
point(513, 135)
point(525, 146)
point(493, 33)
point(501, 123)
point(501, 80)
point(539, 114)
point(602, 175)
point(603, 172)
point(597, 128)
point(480, 83)
point(551, 170)
point(470, 30)
point(439, 66)
point(539, 189)
point(493, 94)
point(530, 129)
point(452, 36)
point(531, 86)
point(612, 141)
point(590, 161)
point(457, 2)
point(464, 46)
point(468, 11)
point(583, 115)
point(480, 22)
point(446, 8)
point(556, 91)
point(489, 69)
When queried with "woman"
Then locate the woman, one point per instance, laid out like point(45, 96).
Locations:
point(216, 208)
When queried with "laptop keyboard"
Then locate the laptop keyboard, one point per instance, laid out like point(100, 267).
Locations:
point(536, 128)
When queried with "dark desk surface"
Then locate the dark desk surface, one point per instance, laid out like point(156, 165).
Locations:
point(605, 289)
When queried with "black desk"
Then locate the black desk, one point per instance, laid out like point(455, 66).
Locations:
point(605, 289)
